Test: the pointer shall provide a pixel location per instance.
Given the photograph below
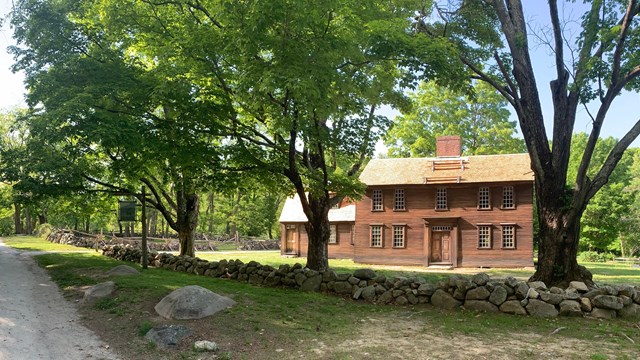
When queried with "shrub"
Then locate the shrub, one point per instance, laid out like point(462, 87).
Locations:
point(6, 226)
point(593, 256)
point(44, 230)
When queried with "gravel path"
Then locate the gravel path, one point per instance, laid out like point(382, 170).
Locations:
point(36, 322)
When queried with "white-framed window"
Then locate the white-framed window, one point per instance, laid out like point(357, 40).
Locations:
point(333, 234)
point(399, 235)
point(441, 199)
point(399, 201)
point(484, 236)
point(508, 236)
point(508, 198)
point(441, 228)
point(376, 235)
point(376, 199)
point(484, 200)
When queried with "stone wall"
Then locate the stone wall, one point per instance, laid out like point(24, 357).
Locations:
point(478, 292)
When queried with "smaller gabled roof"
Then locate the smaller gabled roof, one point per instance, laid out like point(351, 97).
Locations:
point(468, 169)
point(292, 212)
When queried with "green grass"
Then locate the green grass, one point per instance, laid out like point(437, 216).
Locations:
point(285, 318)
point(32, 243)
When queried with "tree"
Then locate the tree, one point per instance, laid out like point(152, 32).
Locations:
point(480, 118)
point(114, 115)
point(601, 223)
point(597, 67)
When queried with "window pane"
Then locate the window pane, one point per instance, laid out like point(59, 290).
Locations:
point(377, 200)
point(441, 199)
point(376, 236)
point(507, 197)
point(508, 236)
point(483, 198)
point(398, 236)
point(399, 200)
point(333, 238)
point(484, 237)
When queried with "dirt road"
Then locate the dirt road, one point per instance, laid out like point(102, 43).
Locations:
point(35, 320)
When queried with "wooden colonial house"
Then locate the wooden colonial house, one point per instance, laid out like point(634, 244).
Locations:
point(451, 210)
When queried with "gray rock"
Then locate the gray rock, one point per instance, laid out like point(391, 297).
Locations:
point(498, 295)
point(513, 307)
point(479, 293)
point(342, 287)
point(570, 308)
point(386, 297)
point(444, 300)
point(426, 289)
point(357, 294)
point(401, 300)
point(192, 302)
point(511, 281)
point(636, 297)
point(465, 285)
point(343, 277)
point(123, 270)
point(522, 290)
point(556, 290)
point(551, 298)
point(480, 305)
point(459, 294)
point(167, 336)
point(312, 283)
point(380, 279)
point(99, 291)
point(610, 290)
point(329, 275)
point(585, 304)
point(204, 345)
point(626, 301)
point(365, 274)
point(480, 279)
point(627, 291)
point(578, 286)
point(607, 302)
point(540, 308)
point(532, 294)
point(413, 298)
point(538, 286)
point(353, 280)
point(599, 313)
point(595, 292)
point(300, 278)
point(630, 312)
point(572, 294)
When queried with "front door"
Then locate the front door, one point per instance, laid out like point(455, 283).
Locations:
point(440, 247)
point(290, 240)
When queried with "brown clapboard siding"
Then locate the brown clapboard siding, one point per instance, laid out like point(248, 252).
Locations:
point(462, 204)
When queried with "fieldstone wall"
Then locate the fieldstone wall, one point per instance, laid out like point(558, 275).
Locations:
point(478, 292)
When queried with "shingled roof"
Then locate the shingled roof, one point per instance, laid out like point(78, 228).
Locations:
point(469, 169)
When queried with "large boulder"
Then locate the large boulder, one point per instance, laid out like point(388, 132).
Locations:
point(99, 291)
point(570, 308)
point(630, 312)
point(540, 308)
point(167, 336)
point(192, 302)
point(123, 270)
point(498, 295)
point(444, 300)
point(479, 293)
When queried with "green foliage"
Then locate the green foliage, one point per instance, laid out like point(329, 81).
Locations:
point(44, 230)
point(481, 118)
point(593, 256)
point(144, 327)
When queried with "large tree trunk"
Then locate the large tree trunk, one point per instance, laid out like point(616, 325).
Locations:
point(187, 221)
point(558, 239)
point(17, 219)
point(42, 217)
point(318, 232)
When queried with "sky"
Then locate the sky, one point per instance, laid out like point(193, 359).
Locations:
point(622, 115)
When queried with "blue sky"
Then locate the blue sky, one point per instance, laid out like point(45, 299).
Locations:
point(622, 115)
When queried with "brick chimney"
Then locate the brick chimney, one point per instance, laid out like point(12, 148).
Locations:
point(448, 146)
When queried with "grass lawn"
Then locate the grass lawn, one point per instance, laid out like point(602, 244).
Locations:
point(277, 323)
point(33, 243)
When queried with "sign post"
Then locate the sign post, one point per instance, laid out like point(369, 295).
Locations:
point(145, 254)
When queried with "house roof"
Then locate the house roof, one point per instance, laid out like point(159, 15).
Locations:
point(469, 169)
point(292, 212)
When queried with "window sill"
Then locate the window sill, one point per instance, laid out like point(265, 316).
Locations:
point(484, 209)
point(484, 248)
point(507, 208)
point(509, 248)
point(399, 210)
point(399, 247)
point(447, 209)
point(382, 210)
